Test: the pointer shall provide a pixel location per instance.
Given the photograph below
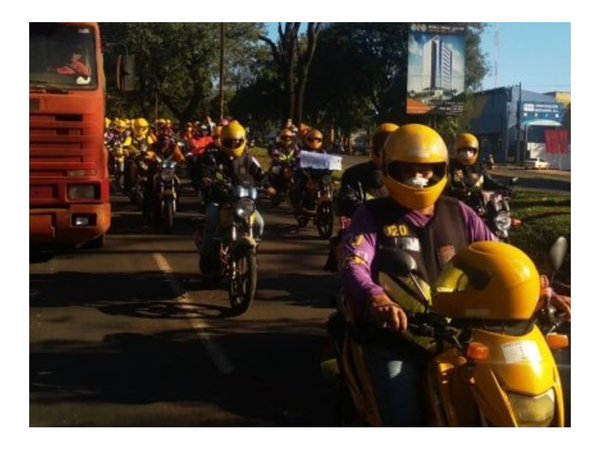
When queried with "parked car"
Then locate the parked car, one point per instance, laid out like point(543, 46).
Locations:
point(536, 163)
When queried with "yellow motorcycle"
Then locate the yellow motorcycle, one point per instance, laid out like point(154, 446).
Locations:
point(488, 335)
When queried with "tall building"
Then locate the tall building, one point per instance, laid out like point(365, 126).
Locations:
point(437, 65)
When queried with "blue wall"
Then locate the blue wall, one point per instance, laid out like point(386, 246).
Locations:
point(495, 119)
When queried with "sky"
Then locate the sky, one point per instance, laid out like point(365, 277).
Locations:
point(537, 55)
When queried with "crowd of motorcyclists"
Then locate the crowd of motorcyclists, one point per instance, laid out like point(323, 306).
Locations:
point(412, 195)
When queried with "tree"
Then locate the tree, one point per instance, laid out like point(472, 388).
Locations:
point(178, 63)
point(293, 57)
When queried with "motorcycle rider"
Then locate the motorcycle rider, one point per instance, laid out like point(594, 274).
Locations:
point(464, 173)
point(221, 170)
point(136, 146)
point(360, 183)
point(164, 147)
point(417, 219)
point(284, 148)
point(312, 142)
point(199, 142)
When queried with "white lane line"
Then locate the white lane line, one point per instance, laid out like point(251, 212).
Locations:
point(217, 354)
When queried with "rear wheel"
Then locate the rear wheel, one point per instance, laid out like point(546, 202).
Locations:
point(242, 281)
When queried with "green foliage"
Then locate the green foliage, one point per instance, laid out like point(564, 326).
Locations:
point(177, 64)
point(545, 217)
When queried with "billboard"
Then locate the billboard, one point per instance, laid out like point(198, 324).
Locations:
point(436, 69)
point(541, 113)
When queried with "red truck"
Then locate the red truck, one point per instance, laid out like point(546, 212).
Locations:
point(69, 201)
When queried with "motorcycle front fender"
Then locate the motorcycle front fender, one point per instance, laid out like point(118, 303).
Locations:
point(242, 245)
point(168, 193)
point(324, 199)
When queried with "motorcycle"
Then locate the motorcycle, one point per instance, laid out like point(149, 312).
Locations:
point(492, 206)
point(166, 185)
point(237, 248)
point(318, 203)
point(489, 365)
point(118, 155)
point(116, 164)
point(281, 176)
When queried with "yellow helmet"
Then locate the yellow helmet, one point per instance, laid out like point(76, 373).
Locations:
point(314, 140)
point(233, 139)
point(378, 139)
point(140, 127)
point(286, 137)
point(488, 280)
point(121, 125)
point(466, 141)
point(414, 144)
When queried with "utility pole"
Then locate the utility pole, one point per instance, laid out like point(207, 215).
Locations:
point(519, 132)
point(222, 72)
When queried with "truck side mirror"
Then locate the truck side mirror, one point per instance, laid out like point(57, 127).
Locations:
point(126, 73)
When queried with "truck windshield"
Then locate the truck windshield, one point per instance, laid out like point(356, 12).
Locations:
point(62, 57)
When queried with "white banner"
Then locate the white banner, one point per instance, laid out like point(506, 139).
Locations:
point(313, 160)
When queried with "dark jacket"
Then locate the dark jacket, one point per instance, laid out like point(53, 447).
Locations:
point(225, 173)
point(360, 183)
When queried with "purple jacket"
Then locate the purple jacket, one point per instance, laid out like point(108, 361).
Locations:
point(358, 280)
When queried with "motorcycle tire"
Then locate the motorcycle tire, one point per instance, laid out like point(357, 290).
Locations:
point(275, 201)
point(242, 283)
point(168, 215)
point(324, 220)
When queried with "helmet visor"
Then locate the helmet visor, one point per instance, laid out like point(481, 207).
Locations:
point(406, 172)
point(232, 143)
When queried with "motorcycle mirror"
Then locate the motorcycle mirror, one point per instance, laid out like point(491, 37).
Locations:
point(558, 252)
point(396, 262)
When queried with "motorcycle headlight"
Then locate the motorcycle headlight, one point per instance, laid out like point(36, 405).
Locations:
point(276, 170)
point(533, 411)
point(167, 175)
point(244, 208)
point(502, 220)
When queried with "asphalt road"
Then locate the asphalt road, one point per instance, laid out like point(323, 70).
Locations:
point(130, 336)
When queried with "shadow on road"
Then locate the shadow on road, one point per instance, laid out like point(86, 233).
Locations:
point(270, 384)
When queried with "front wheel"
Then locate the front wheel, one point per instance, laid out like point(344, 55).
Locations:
point(242, 281)
point(168, 213)
point(324, 220)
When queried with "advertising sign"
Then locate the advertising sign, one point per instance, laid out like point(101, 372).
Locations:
point(436, 69)
point(312, 160)
point(538, 111)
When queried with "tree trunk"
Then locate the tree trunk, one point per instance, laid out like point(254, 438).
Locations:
point(304, 62)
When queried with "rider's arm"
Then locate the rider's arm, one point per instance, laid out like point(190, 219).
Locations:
point(359, 250)
point(491, 184)
point(208, 166)
point(368, 301)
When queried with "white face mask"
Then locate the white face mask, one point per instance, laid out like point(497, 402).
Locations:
point(416, 182)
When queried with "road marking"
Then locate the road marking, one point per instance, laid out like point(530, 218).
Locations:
point(216, 353)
